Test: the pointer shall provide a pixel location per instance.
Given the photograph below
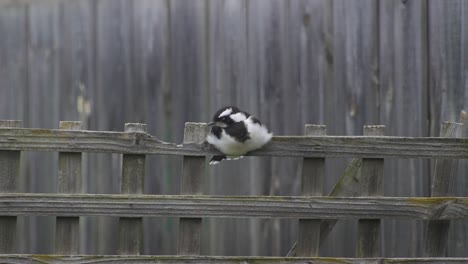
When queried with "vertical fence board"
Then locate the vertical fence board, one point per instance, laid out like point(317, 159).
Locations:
point(228, 84)
point(369, 230)
point(448, 87)
point(14, 64)
point(67, 232)
point(404, 110)
point(193, 169)
point(185, 98)
point(273, 58)
point(313, 174)
point(353, 100)
point(113, 75)
point(150, 64)
point(77, 75)
point(437, 230)
point(9, 175)
point(133, 177)
point(43, 92)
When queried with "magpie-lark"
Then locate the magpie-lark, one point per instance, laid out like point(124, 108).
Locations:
point(235, 132)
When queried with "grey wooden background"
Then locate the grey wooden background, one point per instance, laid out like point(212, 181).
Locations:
point(343, 63)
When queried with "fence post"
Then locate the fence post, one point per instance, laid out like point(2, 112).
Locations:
point(313, 172)
point(369, 233)
point(193, 169)
point(437, 230)
point(67, 229)
point(133, 176)
point(9, 174)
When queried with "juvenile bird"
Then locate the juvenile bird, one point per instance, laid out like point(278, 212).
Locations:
point(235, 133)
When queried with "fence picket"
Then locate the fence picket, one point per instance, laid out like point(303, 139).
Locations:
point(313, 173)
point(369, 233)
point(193, 169)
point(437, 230)
point(67, 229)
point(9, 174)
point(133, 176)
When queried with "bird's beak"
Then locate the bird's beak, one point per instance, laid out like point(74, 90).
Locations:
point(211, 123)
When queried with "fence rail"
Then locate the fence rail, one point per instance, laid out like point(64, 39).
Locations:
point(90, 259)
point(317, 215)
point(420, 208)
point(292, 146)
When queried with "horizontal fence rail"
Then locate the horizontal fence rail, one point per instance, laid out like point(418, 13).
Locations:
point(317, 214)
point(291, 146)
point(236, 206)
point(51, 259)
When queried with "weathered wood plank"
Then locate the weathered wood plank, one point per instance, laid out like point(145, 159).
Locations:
point(404, 104)
point(13, 56)
point(67, 229)
point(445, 168)
point(369, 233)
point(236, 206)
point(437, 230)
point(313, 174)
point(9, 176)
point(193, 169)
point(40, 106)
point(133, 176)
point(291, 146)
point(88, 259)
point(347, 186)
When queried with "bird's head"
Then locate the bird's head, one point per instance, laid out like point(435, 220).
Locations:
point(227, 116)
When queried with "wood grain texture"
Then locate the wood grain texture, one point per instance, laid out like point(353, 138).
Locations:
point(288, 62)
point(151, 101)
point(236, 206)
point(445, 169)
point(369, 242)
point(448, 54)
point(55, 259)
point(76, 79)
point(133, 177)
point(348, 185)
point(193, 169)
point(67, 229)
point(14, 61)
point(313, 174)
point(281, 146)
point(404, 103)
point(40, 109)
point(9, 176)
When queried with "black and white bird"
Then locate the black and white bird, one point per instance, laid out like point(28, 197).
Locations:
point(235, 133)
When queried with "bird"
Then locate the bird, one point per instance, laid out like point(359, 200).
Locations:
point(235, 133)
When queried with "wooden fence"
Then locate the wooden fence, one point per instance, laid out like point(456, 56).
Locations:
point(317, 214)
